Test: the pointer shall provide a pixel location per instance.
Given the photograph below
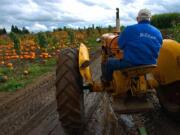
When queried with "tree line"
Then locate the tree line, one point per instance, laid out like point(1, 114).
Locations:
point(15, 29)
point(166, 20)
point(3, 31)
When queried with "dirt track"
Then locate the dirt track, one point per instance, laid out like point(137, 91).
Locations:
point(33, 112)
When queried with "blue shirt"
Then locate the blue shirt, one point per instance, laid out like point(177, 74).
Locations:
point(141, 43)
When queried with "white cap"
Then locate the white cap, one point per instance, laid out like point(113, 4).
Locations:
point(144, 13)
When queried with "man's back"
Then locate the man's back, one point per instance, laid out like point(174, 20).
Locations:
point(141, 43)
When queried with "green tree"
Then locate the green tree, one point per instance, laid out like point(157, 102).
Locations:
point(36, 40)
point(92, 26)
point(42, 39)
point(54, 40)
point(59, 29)
point(3, 31)
point(88, 31)
point(15, 29)
point(25, 31)
point(12, 28)
point(166, 20)
point(110, 28)
point(48, 34)
point(64, 28)
point(176, 32)
point(80, 30)
point(122, 28)
point(14, 38)
point(71, 35)
point(99, 29)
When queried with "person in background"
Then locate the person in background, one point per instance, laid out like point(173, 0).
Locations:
point(141, 44)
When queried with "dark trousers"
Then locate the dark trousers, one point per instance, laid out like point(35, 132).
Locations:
point(115, 64)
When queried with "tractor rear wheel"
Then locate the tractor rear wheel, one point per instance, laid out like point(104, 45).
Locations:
point(169, 98)
point(69, 93)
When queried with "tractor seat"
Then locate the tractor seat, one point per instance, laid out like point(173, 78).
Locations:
point(138, 70)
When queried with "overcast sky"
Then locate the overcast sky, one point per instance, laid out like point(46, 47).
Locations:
point(43, 15)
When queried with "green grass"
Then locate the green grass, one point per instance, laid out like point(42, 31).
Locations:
point(176, 32)
point(12, 85)
point(92, 44)
point(20, 77)
point(38, 70)
point(5, 71)
point(49, 48)
point(51, 62)
point(17, 79)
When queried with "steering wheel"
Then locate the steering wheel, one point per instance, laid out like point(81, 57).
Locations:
point(110, 52)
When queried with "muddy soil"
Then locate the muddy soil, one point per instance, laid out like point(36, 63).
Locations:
point(101, 120)
point(33, 112)
point(21, 110)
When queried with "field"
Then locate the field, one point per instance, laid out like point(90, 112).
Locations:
point(19, 67)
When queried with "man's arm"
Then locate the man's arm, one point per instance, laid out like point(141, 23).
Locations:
point(122, 39)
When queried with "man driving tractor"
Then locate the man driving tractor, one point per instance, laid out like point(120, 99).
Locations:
point(141, 44)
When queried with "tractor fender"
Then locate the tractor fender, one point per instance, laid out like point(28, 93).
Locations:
point(84, 63)
point(168, 65)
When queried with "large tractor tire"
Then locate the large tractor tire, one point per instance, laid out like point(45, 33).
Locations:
point(169, 98)
point(69, 93)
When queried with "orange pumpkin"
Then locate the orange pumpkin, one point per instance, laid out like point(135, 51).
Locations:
point(44, 60)
point(32, 54)
point(9, 64)
point(13, 54)
point(27, 57)
point(46, 56)
point(2, 62)
point(27, 50)
point(32, 57)
point(6, 57)
point(27, 45)
point(38, 47)
point(26, 72)
point(63, 46)
point(86, 42)
point(57, 57)
point(32, 47)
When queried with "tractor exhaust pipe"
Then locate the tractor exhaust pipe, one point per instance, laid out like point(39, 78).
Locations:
point(117, 21)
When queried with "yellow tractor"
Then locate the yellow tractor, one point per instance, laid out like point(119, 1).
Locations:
point(128, 88)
